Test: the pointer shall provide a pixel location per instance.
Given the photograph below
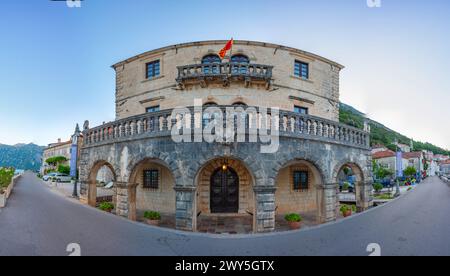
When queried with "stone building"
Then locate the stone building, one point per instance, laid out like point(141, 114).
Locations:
point(388, 160)
point(55, 149)
point(191, 180)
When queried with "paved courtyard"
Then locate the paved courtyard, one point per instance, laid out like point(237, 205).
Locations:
point(37, 221)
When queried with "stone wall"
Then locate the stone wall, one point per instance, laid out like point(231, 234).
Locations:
point(186, 160)
point(289, 200)
point(161, 199)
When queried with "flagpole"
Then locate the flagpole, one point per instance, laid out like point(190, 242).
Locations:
point(231, 50)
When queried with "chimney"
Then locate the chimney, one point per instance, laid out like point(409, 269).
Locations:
point(59, 140)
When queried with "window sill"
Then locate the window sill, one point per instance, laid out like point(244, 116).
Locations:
point(302, 79)
point(153, 79)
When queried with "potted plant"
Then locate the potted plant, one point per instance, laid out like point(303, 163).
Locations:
point(347, 210)
point(106, 206)
point(294, 221)
point(152, 218)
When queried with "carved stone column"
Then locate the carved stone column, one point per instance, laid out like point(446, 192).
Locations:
point(84, 186)
point(264, 217)
point(185, 214)
point(329, 202)
point(364, 198)
point(125, 199)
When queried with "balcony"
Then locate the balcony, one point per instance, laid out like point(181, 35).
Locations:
point(290, 125)
point(225, 73)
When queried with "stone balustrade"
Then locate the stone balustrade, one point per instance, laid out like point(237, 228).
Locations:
point(224, 72)
point(289, 124)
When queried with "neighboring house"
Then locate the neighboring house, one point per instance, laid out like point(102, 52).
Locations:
point(189, 181)
point(445, 167)
point(378, 148)
point(416, 159)
point(387, 159)
point(59, 149)
point(55, 149)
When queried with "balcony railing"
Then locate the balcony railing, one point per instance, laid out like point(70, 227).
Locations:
point(289, 124)
point(224, 72)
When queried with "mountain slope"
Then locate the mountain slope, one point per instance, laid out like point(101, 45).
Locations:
point(21, 156)
point(381, 134)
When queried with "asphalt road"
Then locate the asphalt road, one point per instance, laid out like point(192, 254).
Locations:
point(37, 221)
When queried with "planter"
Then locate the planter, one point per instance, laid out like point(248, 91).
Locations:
point(347, 213)
point(154, 222)
point(294, 225)
point(2, 200)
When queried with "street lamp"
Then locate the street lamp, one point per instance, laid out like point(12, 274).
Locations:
point(74, 161)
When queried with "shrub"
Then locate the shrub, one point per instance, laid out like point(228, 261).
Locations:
point(64, 169)
point(6, 175)
point(345, 186)
point(152, 215)
point(378, 187)
point(293, 218)
point(106, 206)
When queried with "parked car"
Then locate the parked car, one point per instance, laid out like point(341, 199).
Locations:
point(47, 177)
point(62, 177)
point(387, 182)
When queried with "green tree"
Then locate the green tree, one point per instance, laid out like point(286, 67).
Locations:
point(410, 171)
point(64, 169)
point(56, 160)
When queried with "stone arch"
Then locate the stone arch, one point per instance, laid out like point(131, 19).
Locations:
point(362, 186)
point(94, 168)
point(164, 159)
point(160, 198)
point(246, 195)
point(355, 168)
point(249, 162)
point(307, 200)
point(317, 162)
point(246, 183)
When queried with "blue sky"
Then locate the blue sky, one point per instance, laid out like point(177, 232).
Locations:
point(56, 60)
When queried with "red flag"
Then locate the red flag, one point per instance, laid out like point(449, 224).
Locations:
point(225, 49)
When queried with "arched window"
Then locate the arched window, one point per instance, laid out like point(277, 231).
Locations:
point(211, 59)
point(239, 60)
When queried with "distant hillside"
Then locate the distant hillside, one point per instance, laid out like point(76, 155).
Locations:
point(380, 134)
point(21, 156)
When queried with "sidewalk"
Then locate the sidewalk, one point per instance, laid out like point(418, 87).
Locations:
point(66, 189)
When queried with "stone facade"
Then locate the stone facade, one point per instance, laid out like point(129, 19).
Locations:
point(319, 93)
point(139, 141)
point(55, 149)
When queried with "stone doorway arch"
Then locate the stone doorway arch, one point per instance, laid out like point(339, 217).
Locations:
point(243, 211)
point(300, 189)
